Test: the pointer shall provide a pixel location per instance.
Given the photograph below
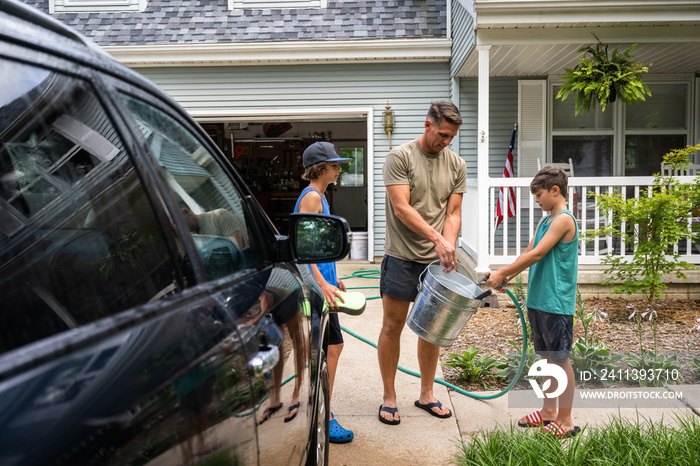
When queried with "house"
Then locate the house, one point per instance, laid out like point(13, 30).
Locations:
point(267, 77)
point(511, 67)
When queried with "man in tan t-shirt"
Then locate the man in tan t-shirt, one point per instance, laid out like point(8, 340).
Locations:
point(425, 182)
point(219, 222)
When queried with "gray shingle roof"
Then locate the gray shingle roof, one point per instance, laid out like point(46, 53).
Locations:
point(187, 21)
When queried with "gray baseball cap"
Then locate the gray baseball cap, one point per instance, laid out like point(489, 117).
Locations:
point(321, 152)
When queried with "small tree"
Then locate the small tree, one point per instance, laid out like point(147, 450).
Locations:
point(654, 224)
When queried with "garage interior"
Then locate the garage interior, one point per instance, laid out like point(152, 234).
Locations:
point(268, 156)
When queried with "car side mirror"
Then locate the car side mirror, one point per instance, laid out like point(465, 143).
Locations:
point(318, 238)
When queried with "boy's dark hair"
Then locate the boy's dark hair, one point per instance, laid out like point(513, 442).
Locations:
point(549, 177)
point(314, 171)
point(443, 110)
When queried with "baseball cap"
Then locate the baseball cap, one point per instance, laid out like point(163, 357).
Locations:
point(321, 151)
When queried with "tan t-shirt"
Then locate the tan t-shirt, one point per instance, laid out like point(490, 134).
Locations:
point(432, 179)
point(221, 222)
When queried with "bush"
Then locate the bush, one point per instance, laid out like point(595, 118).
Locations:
point(471, 369)
point(508, 364)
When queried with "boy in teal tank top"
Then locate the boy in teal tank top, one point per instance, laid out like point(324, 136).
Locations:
point(552, 257)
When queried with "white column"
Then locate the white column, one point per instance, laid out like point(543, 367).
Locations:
point(483, 136)
point(370, 184)
point(455, 144)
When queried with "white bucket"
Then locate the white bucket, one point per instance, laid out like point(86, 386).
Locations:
point(358, 245)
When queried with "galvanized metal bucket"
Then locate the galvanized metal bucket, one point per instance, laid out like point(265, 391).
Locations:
point(444, 304)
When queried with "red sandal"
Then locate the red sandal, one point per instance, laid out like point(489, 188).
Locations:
point(534, 420)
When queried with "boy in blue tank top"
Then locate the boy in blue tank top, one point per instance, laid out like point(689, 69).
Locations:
point(552, 257)
point(321, 168)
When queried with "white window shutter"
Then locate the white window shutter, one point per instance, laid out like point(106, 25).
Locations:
point(531, 125)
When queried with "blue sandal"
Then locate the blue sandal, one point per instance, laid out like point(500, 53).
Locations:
point(337, 434)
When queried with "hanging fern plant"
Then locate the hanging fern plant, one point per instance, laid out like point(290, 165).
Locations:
point(601, 79)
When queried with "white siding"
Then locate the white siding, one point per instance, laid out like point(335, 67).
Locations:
point(409, 88)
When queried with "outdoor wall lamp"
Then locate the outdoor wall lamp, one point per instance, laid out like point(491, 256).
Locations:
point(388, 119)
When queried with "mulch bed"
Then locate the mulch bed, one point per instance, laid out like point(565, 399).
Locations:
point(677, 334)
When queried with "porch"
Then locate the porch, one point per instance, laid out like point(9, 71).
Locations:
point(490, 247)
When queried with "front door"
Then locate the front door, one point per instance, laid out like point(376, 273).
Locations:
point(349, 198)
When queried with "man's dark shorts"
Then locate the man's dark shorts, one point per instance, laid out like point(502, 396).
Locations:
point(552, 334)
point(400, 278)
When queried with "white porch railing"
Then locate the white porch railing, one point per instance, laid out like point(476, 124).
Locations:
point(513, 235)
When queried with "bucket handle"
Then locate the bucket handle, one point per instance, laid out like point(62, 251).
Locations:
point(420, 277)
point(486, 293)
point(480, 297)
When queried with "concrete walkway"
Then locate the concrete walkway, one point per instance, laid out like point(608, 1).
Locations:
point(422, 439)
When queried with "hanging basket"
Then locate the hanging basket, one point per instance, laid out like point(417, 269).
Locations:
point(601, 78)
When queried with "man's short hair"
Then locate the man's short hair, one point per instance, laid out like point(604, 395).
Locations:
point(442, 111)
point(549, 177)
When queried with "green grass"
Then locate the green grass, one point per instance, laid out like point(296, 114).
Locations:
point(620, 442)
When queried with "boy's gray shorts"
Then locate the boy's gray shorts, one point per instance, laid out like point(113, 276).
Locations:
point(551, 334)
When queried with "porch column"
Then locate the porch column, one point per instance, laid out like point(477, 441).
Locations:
point(482, 138)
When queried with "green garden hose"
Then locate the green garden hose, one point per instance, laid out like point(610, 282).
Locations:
point(374, 274)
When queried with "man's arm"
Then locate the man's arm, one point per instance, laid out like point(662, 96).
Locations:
point(453, 221)
point(562, 227)
point(400, 196)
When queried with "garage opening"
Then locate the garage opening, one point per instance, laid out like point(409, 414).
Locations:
point(267, 153)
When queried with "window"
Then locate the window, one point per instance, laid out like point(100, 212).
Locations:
point(655, 126)
point(270, 4)
point(213, 208)
point(78, 238)
point(586, 138)
point(87, 6)
point(353, 173)
point(625, 139)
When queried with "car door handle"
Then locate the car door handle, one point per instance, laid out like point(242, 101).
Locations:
point(264, 360)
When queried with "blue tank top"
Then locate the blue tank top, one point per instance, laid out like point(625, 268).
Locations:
point(327, 269)
point(551, 282)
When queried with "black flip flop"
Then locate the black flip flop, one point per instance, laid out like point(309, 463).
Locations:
point(292, 408)
point(267, 414)
point(428, 407)
point(391, 411)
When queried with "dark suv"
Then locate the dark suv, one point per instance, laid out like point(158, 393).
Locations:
point(149, 311)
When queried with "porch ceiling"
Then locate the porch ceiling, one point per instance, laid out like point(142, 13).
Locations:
point(532, 49)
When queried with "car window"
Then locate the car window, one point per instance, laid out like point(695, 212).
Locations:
point(212, 206)
point(78, 237)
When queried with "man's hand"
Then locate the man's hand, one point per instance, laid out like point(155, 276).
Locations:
point(447, 254)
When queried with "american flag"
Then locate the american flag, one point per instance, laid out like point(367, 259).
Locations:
point(506, 198)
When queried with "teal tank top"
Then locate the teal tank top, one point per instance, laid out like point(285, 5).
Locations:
point(551, 282)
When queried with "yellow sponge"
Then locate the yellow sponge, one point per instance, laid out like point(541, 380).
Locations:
point(354, 305)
